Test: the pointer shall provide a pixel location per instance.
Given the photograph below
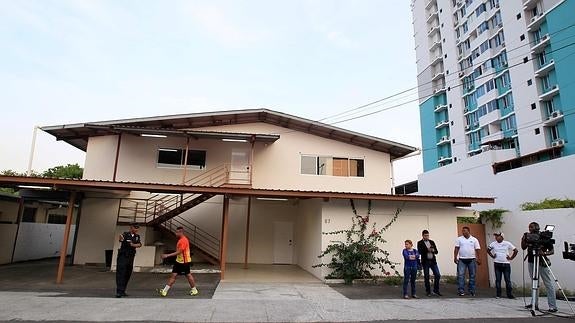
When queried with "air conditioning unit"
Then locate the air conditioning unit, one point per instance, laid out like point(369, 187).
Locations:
point(485, 148)
point(557, 143)
point(465, 110)
point(461, 74)
point(533, 18)
point(444, 138)
point(467, 127)
point(555, 114)
point(505, 64)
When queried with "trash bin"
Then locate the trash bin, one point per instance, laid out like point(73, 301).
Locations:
point(109, 253)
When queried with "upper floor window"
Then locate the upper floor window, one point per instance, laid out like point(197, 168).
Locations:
point(333, 166)
point(175, 157)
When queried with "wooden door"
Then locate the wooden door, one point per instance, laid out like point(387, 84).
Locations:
point(478, 231)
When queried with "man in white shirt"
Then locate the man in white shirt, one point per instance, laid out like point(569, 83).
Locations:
point(466, 256)
point(500, 251)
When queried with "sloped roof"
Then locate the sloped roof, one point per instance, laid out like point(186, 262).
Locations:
point(77, 134)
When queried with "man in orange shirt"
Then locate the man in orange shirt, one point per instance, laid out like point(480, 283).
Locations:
point(182, 265)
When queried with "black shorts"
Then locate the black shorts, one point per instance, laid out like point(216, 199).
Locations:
point(181, 269)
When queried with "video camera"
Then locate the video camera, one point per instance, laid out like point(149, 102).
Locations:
point(541, 239)
point(569, 252)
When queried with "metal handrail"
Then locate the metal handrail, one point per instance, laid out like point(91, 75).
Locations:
point(197, 236)
point(207, 175)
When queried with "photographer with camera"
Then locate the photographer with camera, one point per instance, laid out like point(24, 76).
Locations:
point(532, 241)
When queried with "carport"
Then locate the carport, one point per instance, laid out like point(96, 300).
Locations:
point(77, 187)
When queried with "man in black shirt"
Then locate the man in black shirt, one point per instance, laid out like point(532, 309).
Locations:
point(129, 241)
point(427, 249)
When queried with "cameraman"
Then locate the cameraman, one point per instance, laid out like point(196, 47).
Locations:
point(544, 272)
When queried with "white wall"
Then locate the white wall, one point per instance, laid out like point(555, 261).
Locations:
point(553, 178)
point(439, 219)
point(41, 240)
point(97, 230)
point(7, 236)
point(308, 237)
point(516, 223)
point(9, 211)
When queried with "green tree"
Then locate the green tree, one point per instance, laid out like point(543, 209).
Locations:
point(360, 252)
point(68, 171)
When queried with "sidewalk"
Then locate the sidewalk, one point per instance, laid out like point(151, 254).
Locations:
point(242, 302)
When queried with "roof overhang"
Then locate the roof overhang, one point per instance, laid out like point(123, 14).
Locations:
point(90, 185)
point(77, 134)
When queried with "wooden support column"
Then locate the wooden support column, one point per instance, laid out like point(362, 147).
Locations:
point(224, 238)
point(117, 156)
point(248, 232)
point(186, 161)
point(64, 248)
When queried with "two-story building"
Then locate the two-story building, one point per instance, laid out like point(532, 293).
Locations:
point(249, 186)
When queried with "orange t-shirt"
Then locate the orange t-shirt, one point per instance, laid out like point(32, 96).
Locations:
point(183, 245)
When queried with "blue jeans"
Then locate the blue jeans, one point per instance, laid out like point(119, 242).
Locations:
point(545, 275)
point(436, 276)
point(505, 270)
point(409, 275)
point(471, 266)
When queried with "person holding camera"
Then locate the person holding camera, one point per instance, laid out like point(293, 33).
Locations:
point(129, 241)
point(543, 250)
point(500, 250)
point(466, 256)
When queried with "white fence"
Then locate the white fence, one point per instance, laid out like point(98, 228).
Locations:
point(41, 240)
point(516, 223)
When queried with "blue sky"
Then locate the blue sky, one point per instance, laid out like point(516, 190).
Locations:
point(78, 61)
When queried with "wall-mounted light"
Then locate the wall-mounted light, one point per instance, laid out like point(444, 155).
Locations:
point(168, 149)
point(234, 140)
point(152, 135)
point(271, 199)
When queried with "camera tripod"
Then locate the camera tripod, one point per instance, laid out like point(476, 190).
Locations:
point(535, 282)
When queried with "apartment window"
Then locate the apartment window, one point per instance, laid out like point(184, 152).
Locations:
point(522, 37)
point(554, 132)
point(537, 131)
point(533, 106)
point(333, 166)
point(542, 58)
point(545, 83)
point(29, 214)
point(529, 82)
point(173, 157)
point(550, 107)
point(518, 16)
point(57, 218)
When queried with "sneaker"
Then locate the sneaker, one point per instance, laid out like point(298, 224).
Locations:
point(194, 292)
point(552, 310)
point(472, 293)
point(510, 296)
point(406, 296)
point(428, 294)
point(161, 292)
point(497, 297)
point(437, 294)
point(461, 294)
point(414, 296)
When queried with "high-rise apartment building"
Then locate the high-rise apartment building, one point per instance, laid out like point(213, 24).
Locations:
point(496, 81)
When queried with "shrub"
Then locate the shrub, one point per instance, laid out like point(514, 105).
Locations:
point(548, 203)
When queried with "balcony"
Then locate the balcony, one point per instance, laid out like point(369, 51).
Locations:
point(490, 117)
point(509, 133)
point(503, 90)
point(553, 118)
point(549, 92)
point(545, 68)
point(432, 15)
point(440, 107)
point(435, 44)
point(473, 147)
point(540, 44)
point(433, 30)
point(497, 136)
point(439, 90)
point(529, 4)
point(505, 111)
point(443, 159)
point(535, 22)
point(442, 124)
point(436, 60)
point(438, 75)
point(501, 68)
point(443, 140)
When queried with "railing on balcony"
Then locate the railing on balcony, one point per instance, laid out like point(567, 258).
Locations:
point(223, 174)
